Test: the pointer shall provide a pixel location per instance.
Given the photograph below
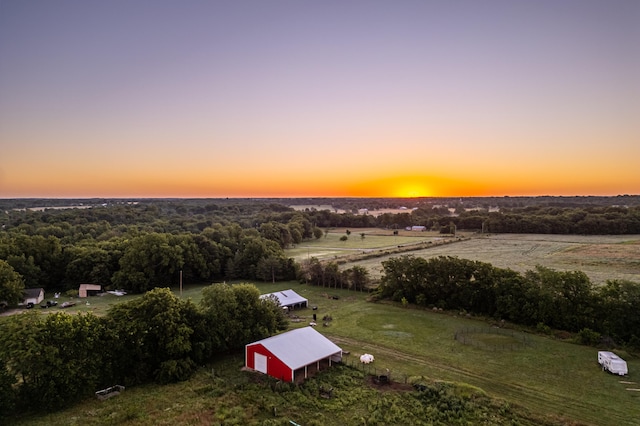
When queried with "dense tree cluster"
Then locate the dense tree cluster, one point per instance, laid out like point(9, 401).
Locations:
point(612, 220)
point(141, 246)
point(11, 284)
point(138, 261)
point(328, 274)
point(540, 297)
point(138, 245)
point(49, 361)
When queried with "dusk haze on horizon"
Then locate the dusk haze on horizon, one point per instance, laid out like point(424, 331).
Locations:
point(297, 98)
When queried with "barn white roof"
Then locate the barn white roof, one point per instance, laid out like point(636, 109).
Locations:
point(287, 297)
point(300, 347)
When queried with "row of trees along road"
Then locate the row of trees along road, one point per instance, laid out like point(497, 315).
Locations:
point(50, 361)
point(541, 297)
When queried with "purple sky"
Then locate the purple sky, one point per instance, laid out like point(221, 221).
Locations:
point(236, 98)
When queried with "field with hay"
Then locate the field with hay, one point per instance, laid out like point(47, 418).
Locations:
point(602, 258)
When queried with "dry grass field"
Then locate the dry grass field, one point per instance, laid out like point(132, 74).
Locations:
point(602, 258)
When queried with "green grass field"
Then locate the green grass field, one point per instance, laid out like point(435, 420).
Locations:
point(548, 377)
point(551, 378)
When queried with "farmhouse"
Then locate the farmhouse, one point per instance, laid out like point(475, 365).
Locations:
point(88, 290)
point(288, 299)
point(293, 355)
point(33, 296)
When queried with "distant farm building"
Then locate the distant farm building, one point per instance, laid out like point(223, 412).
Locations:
point(288, 299)
point(416, 228)
point(86, 290)
point(292, 356)
point(33, 296)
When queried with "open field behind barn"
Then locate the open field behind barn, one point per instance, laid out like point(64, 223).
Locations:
point(329, 246)
point(554, 379)
point(602, 258)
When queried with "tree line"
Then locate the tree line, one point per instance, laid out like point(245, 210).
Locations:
point(50, 361)
point(103, 221)
point(543, 298)
point(139, 261)
point(329, 275)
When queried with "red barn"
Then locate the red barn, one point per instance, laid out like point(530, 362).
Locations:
point(293, 355)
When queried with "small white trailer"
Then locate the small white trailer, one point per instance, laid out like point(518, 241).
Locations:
point(612, 363)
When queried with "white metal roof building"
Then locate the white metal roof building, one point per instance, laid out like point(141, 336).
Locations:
point(288, 299)
point(292, 355)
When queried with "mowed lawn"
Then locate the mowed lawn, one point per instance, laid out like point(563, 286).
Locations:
point(548, 376)
point(602, 258)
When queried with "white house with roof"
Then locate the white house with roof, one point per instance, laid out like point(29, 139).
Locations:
point(33, 296)
point(292, 356)
point(288, 299)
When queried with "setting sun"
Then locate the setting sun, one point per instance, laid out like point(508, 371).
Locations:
point(412, 190)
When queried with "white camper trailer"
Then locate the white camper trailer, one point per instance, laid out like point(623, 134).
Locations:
point(612, 363)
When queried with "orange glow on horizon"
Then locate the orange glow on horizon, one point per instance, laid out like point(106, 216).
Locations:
point(238, 182)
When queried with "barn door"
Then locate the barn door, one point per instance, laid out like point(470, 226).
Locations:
point(260, 362)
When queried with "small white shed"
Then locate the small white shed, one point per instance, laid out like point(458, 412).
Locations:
point(33, 296)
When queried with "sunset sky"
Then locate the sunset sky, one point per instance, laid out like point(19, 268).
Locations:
point(276, 98)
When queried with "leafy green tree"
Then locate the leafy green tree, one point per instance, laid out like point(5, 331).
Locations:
point(618, 309)
point(27, 268)
point(317, 233)
point(332, 275)
point(270, 268)
point(358, 278)
point(11, 284)
point(151, 338)
point(149, 261)
point(296, 231)
point(313, 272)
point(89, 264)
point(7, 393)
point(236, 315)
point(58, 357)
point(42, 256)
point(279, 233)
point(252, 250)
point(565, 298)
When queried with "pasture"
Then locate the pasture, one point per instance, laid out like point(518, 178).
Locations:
point(602, 258)
point(554, 379)
point(330, 246)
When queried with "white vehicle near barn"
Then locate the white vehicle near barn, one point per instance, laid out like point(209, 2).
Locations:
point(612, 363)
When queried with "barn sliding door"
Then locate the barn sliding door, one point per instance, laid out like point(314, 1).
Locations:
point(260, 363)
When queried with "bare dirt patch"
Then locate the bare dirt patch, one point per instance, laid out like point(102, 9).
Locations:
point(388, 385)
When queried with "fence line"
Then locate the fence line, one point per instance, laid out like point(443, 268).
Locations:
point(469, 336)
